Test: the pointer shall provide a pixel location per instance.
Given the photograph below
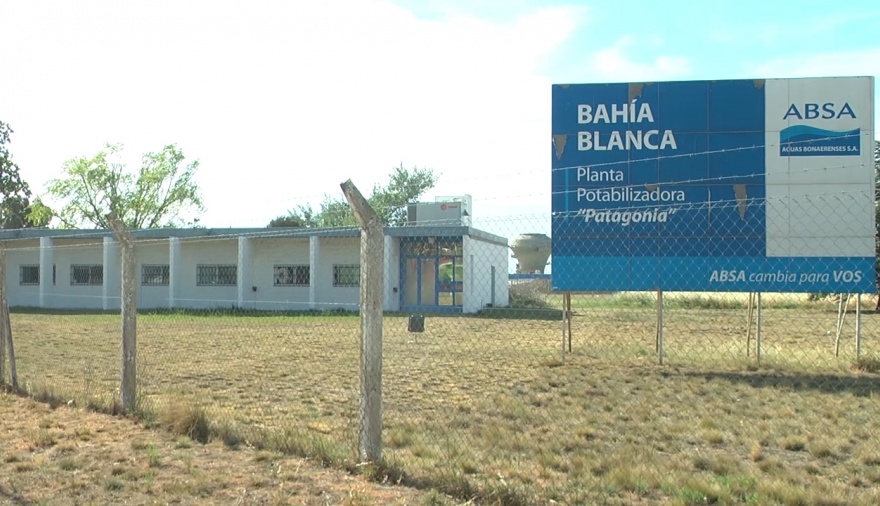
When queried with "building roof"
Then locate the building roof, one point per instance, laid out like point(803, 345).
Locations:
point(267, 232)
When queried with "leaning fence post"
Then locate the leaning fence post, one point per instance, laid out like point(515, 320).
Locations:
point(128, 388)
point(372, 281)
point(6, 327)
point(3, 309)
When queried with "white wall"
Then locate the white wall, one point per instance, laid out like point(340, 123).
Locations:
point(151, 252)
point(266, 253)
point(17, 254)
point(69, 252)
point(336, 250)
point(479, 258)
point(194, 252)
point(112, 272)
point(392, 274)
point(258, 271)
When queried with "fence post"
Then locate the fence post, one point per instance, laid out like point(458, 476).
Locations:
point(6, 325)
point(128, 389)
point(3, 310)
point(372, 281)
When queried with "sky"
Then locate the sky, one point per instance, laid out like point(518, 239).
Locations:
point(281, 101)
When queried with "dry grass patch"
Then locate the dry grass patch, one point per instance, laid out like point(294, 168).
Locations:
point(68, 464)
point(714, 437)
point(870, 365)
point(43, 438)
point(187, 419)
point(124, 462)
point(794, 443)
point(821, 449)
point(489, 408)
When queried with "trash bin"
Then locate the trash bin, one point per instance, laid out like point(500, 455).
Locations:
point(416, 323)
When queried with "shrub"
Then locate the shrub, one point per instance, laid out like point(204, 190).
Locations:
point(187, 419)
point(530, 295)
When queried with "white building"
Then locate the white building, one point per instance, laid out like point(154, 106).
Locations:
point(427, 268)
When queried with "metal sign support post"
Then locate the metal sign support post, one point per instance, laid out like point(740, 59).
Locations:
point(564, 311)
point(660, 326)
point(842, 307)
point(858, 325)
point(760, 322)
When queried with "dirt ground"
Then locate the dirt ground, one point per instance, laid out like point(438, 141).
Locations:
point(72, 456)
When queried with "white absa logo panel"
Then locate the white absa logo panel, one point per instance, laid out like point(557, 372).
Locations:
point(819, 167)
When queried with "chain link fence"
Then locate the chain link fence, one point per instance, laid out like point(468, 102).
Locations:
point(539, 397)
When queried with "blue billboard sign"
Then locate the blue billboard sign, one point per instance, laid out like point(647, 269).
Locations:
point(737, 185)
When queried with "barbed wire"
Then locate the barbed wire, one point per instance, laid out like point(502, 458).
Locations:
point(293, 232)
point(352, 233)
point(707, 152)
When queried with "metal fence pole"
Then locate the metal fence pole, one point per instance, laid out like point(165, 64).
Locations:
point(660, 327)
point(758, 328)
point(858, 325)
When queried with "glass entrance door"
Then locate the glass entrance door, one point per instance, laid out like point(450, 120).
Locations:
point(420, 285)
point(410, 296)
point(428, 282)
point(431, 273)
point(449, 287)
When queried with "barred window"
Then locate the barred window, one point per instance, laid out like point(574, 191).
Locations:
point(292, 275)
point(90, 275)
point(155, 275)
point(29, 275)
point(346, 275)
point(216, 275)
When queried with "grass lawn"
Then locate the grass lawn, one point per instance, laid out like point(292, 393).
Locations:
point(489, 407)
point(68, 456)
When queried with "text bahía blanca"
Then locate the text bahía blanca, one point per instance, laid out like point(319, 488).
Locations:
point(627, 113)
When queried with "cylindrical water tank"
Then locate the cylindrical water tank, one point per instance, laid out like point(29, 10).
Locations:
point(532, 252)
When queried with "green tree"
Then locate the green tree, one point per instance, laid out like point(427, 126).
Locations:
point(15, 192)
point(288, 221)
point(160, 194)
point(388, 201)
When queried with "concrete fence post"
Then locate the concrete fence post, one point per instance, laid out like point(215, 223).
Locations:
point(372, 283)
point(6, 346)
point(128, 389)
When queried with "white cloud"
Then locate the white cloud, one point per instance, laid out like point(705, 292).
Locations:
point(615, 63)
point(281, 101)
